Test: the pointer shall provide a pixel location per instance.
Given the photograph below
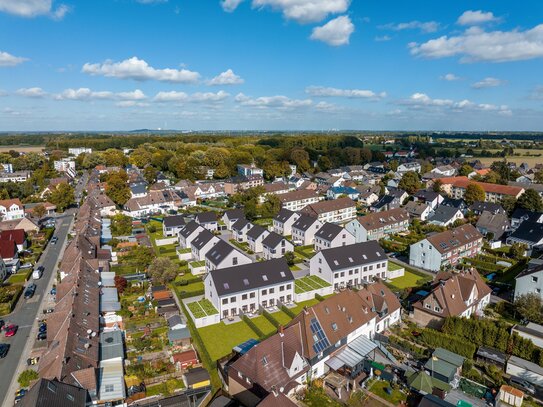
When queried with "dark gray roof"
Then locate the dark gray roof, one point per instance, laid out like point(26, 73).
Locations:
point(492, 354)
point(111, 345)
point(189, 229)
point(304, 222)
point(455, 203)
point(353, 255)
point(196, 375)
point(219, 252)
point(385, 200)
point(283, 215)
point(178, 334)
point(206, 217)
point(443, 214)
point(529, 231)
point(329, 231)
point(251, 276)
point(46, 393)
point(272, 240)
point(480, 207)
point(138, 188)
point(172, 221)
point(521, 213)
point(255, 232)
point(203, 238)
point(427, 195)
point(240, 224)
point(234, 214)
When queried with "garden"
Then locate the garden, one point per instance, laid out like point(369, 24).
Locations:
point(202, 308)
point(9, 294)
point(309, 283)
point(305, 251)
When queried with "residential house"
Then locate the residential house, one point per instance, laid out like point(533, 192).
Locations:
point(493, 192)
point(276, 246)
point(520, 215)
point(79, 150)
point(202, 244)
point(417, 210)
point(446, 248)
point(275, 188)
point(207, 220)
point(335, 211)
point(430, 198)
point(394, 199)
point(479, 207)
point(138, 189)
point(255, 236)
point(224, 255)
point(283, 221)
point(378, 225)
point(245, 288)
point(17, 176)
point(240, 183)
point(297, 200)
point(67, 166)
point(11, 209)
point(445, 216)
point(529, 281)
point(493, 225)
point(249, 170)
point(444, 171)
point(530, 331)
point(331, 235)
point(406, 167)
point(336, 192)
point(368, 196)
point(8, 253)
point(24, 223)
point(171, 225)
point(455, 203)
point(16, 235)
point(350, 266)
point(231, 216)
point(525, 369)
point(528, 233)
point(46, 393)
point(187, 233)
point(240, 229)
point(304, 229)
point(462, 295)
point(185, 360)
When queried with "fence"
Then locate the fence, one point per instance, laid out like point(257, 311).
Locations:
point(163, 378)
point(166, 241)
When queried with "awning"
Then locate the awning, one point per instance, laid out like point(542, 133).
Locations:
point(362, 345)
point(349, 357)
point(334, 363)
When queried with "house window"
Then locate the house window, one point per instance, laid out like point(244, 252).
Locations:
point(272, 290)
point(282, 288)
point(264, 292)
point(244, 297)
point(109, 388)
point(534, 279)
point(289, 286)
point(427, 306)
point(232, 299)
point(224, 301)
point(235, 261)
point(252, 295)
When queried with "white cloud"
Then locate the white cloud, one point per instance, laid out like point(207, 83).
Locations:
point(138, 69)
point(209, 96)
point(305, 11)
point(426, 27)
point(134, 95)
point(348, 93)
point(172, 96)
point(10, 60)
point(206, 97)
point(279, 101)
point(335, 32)
point(422, 100)
point(450, 77)
point(537, 93)
point(227, 77)
point(82, 94)
point(230, 5)
point(131, 103)
point(31, 92)
point(475, 17)
point(476, 44)
point(488, 83)
point(33, 8)
point(325, 107)
point(383, 38)
point(151, 1)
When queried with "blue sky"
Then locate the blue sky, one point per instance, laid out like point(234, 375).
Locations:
point(271, 64)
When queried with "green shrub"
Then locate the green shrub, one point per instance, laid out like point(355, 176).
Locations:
point(252, 325)
point(27, 376)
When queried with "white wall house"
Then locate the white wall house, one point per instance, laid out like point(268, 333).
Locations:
point(232, 216)
point(283, 221)
point(530, 281)
point(304, 229)
point(297, 200)
point(240, 230)
point(378, 225)
point(11, 209)
point(202, 243)
point(350, 266)
point(171, 225)
point(224, 255)
point(188, 233)
point(255, 236)
point(334, 211)
point(246, 288)
point(275, 246)
point(331, 235)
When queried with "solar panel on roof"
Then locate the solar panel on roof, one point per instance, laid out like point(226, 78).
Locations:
point(321, 341)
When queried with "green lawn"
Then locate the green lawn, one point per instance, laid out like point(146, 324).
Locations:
point(305, 251)
point(165, 388)
point(294, 268)
point(309, 283)
point(243, 246)
point(393, 266)
point(264, 325)
point(281, 317)
point(379, 387)
point(409, 279)
point(19, 278)
point(200, 263)
point(300, 306)
point(219, 339)
point(202, 308)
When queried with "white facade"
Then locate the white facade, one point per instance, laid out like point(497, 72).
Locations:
point(279, 251)
point(345, 238)
point(338, 216)
point(285, 228)
point(425, 255)
point(256, 244)
point(198, 254)
point(234, 258)
point(185, 241)
point(19, 176)
point(306, 237)
point(79, 150)
point(299, 204)
point(66, 166)
point(531, 283)
point(11, 211)
point(240, 235)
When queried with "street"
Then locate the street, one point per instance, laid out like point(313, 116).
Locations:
point(27, 312)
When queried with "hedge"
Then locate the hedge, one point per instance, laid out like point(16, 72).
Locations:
point(436, 339)
point(252, 325)
point(319, 297)
point(184, 294)
point(288, 312)
point(187, 281)
point(270, 318)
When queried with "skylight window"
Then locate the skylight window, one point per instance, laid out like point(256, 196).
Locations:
point(265, 277)
point(283, 274)
point(226, 286)
point(264, 361)
point(336, 263)
point(365, 257)
point(245, 281)
point(351, 260)
point(334, 326)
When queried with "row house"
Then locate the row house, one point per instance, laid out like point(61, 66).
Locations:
point(445, 216)
point(240, 183)
point(334, 211)
point(249, 170)
point(406, 167)
point(275, 188)
point(188, 233)
point(224, 255)
point(462, 295)
point(231, 216)
point(246, 288)
point(17, 176)
point(304, 229)
point(11, 209)
point(102, 202)
point(376, 226)
point(418, 210)
point(350, 266)
point(155, 202)
point(337, 192)
point(331, 235)
point(446, 248)
point(283, 221)
point(493, 192)
point(240, 230)
point(275, 246)
point(297, 200)
point(171, 225)
point(205, 190)
point(207, 220)
point(255, 236)
point(202, 244)
point(430, 198)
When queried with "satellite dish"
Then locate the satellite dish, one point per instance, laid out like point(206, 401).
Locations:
point(89, 331)
point(93, 334)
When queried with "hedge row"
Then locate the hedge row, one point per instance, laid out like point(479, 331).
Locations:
point(187, 294)
point(187, 281)
point(271, 319)
point(252, 325)
point(288, 312)
point(319, 297)
point(436, 339)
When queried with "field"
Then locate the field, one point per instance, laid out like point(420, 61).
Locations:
point(531, 161)
point(22, 149)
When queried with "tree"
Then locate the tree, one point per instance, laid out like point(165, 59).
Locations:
point(530, 200)
point(437, 186)
point(474, 192)
point(149, 173)
point(270, 207)
point(39, 211)
point(62, 196)
point(27, 376)
point(115, 158)
point(117, 188)
point(410, 182)
point(324, 163)
point(517, 250)
point(503, 170)
point(121, 225)
point(530, 307)
point(142, 256)
point(393, 165)
point(465, 170)
point(508, 203)
point(162, 270)
point(120, 283)
point(290, 257)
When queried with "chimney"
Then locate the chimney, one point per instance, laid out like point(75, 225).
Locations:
point(281, 331)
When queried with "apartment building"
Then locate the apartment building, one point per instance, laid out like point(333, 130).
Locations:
point(333, 211)
point(297, 200)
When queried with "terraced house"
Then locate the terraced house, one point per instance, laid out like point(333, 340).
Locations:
point(378, 225)
point(333, 211)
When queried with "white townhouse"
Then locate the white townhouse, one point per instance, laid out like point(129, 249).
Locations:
point(444, 171)
point(224, 255)
point(231, 216)
point(283, 221)
point(11, 209)
point(406, 167)
point(530, 281)
point(304, 229)
point(208, 220)
point(246, 288)
point(348, 266)
point(255, 236)
point(18, 176)
point(66, 166)
point(171, 225)
point(296, 200)
point(446, 248)
point(378, 225)
point(276, 246)
point(79, 150)
point(331, 235)
point(336, 210)
point(188, 233)
point(202, 244)
point(240, 229)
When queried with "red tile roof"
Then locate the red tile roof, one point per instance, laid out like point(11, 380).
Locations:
point(17, 235)
point(8, 249)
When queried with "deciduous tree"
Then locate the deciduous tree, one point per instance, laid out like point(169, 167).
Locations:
point(474, 192)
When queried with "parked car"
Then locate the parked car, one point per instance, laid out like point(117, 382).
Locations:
point(43, 327)
point(41, 336)
point(32, 361)
point(11, 330)
point(48, 310)
point(54, 291)
point(54, 240)
point(19, 395)
point(526, 386)
point(4, 348)
point(2, 323)
point(30, 290)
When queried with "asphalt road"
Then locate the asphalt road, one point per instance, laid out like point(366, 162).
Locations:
point(27, 312)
